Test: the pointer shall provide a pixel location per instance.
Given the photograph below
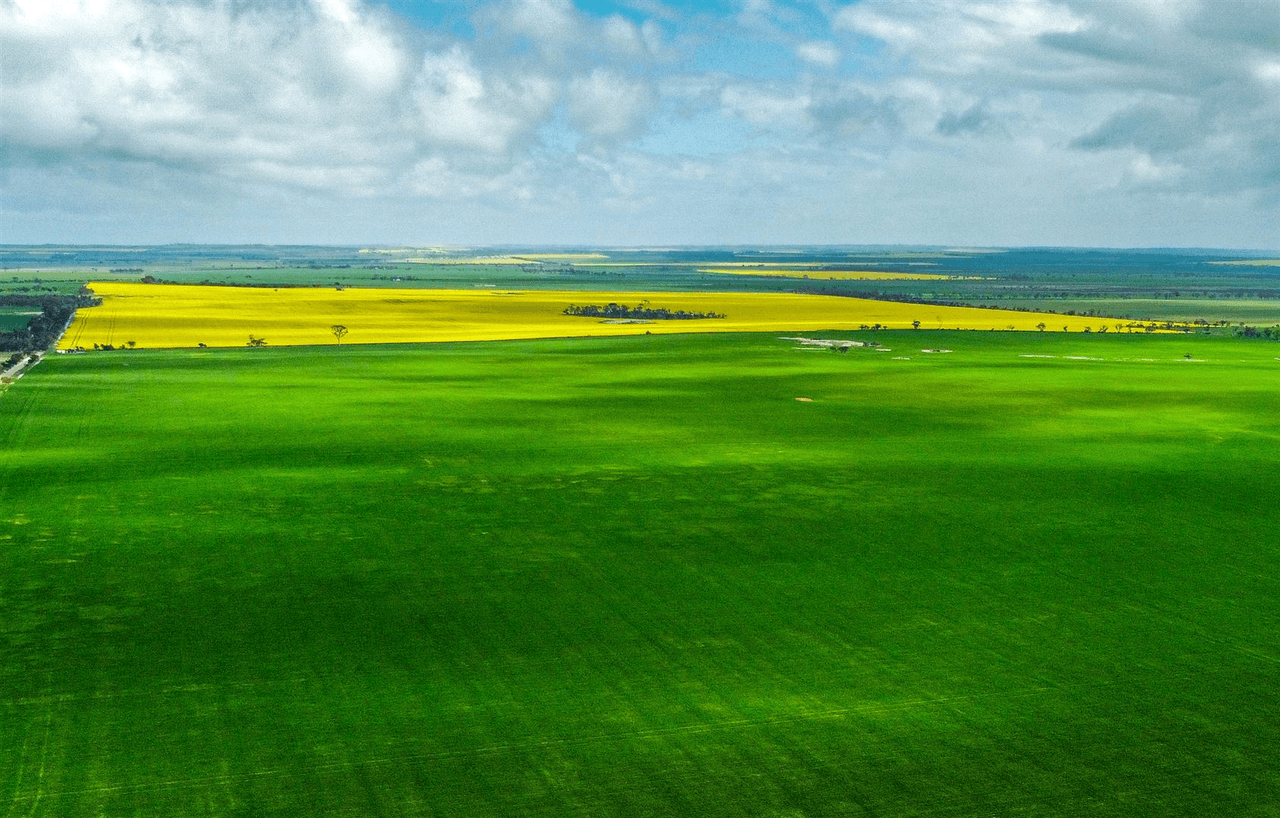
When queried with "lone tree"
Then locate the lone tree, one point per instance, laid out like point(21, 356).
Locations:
point(915, 324)
point(338, 331)
point(256, 342)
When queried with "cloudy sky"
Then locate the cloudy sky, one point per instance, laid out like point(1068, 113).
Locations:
point(641, 122)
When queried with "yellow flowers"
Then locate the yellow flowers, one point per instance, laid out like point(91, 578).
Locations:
point(159, 315)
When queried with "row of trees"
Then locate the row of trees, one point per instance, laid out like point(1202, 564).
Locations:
point(643, 311)
point(43, 329)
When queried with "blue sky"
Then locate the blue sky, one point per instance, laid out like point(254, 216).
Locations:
point(470, 122)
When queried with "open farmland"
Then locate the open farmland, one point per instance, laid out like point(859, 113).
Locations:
point(828, 275)
point(1036, 575)
point(165, 316)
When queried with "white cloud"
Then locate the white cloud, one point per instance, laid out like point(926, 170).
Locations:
point(957, 37)
point(1037, 115)
point(608, 106)
point(1165, 78)
point(1268, 72)
point(461, 107)
point(217, 90)
point(773, 109)
point(819, 53)
point(435, 178)
point(549, 29)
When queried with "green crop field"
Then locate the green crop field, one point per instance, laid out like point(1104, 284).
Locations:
point(1235, 310)
point(637, 576)
point(15, 317)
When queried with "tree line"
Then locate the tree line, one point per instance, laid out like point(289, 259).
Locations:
point(643, 311)
point(1269, 333)
point(43, 329)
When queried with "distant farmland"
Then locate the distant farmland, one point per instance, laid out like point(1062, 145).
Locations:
point(830, 275)
point(165, 316)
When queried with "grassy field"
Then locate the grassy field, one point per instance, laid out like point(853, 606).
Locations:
point(828, 275)
point(1259, 312)
point(637, 576)
point(15, 317)
point(166, 316)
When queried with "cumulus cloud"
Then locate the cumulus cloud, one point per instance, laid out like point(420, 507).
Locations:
point(975, 119)
point(312, 88)
point(1152, 128)
point(766, 106)
point(953, 37)
point(461, 107)
point(825, 110)
point(847, 111)
point(551, 27)
point(819, 53)
point(539, 108)
point(1183, 81)
point(436, 178)
point(314, 93)
point(608, 106)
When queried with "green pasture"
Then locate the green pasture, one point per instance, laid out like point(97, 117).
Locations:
point(12, 318)
point(636, 576)
point(1253, 311)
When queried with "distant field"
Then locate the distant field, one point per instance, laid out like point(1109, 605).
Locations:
point(828, 275)
point(1035, 575)
point(1257, 262)
point(1263, 312)
point(478, 260)
point(163, 316)
point(15, 317)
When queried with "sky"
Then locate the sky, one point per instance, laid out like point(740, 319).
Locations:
point(1097, 123)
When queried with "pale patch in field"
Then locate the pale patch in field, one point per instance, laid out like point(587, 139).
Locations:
point(805, 400)
point(823, 343)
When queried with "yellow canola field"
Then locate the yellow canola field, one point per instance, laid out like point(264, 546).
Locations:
point(833, 275)
point(161, 315)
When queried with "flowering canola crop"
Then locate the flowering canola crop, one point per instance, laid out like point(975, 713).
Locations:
point(164, 316)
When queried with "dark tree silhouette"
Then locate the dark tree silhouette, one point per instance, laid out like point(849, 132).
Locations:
point(612, 310)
